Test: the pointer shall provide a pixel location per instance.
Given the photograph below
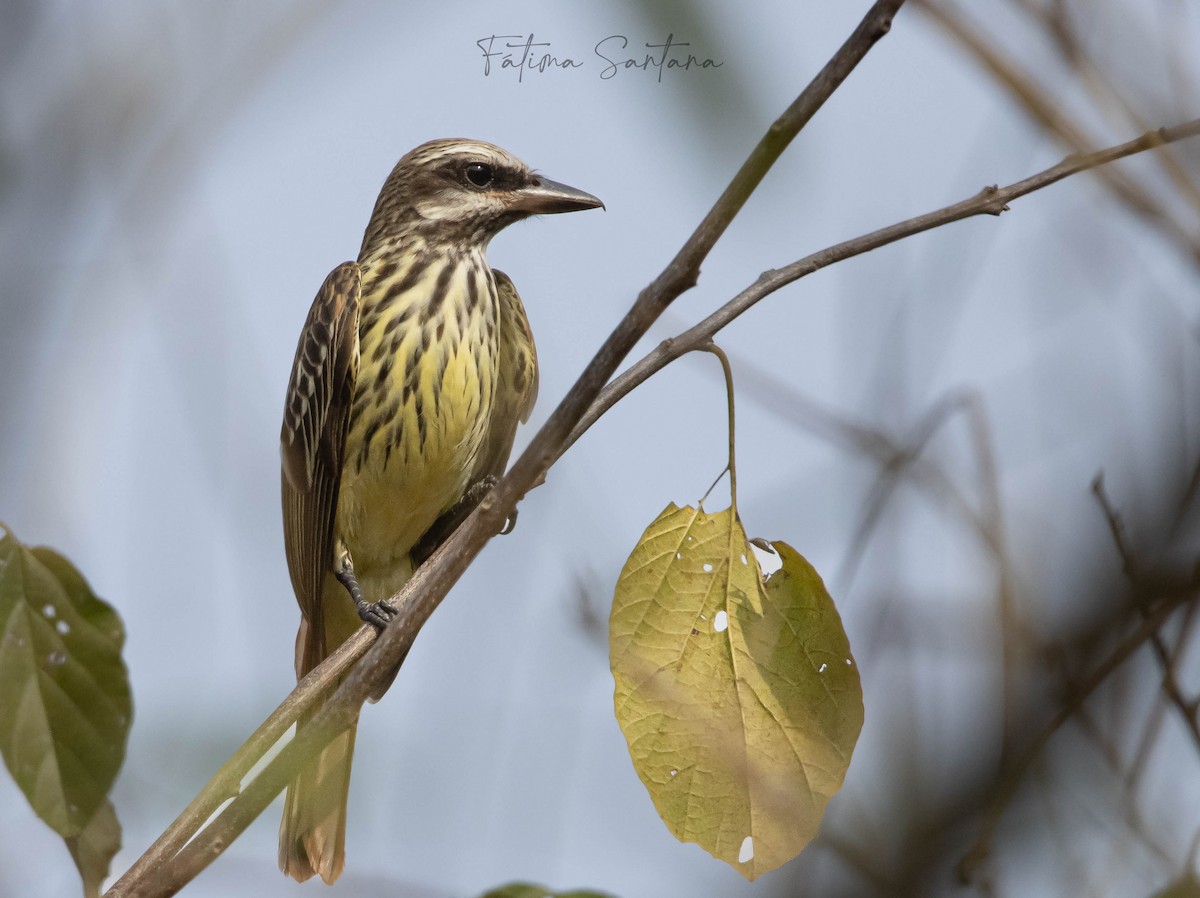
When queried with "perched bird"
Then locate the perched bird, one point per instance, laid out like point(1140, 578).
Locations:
point(413, 369)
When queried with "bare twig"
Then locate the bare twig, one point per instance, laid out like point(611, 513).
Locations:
point(1051, 117)
point(227, 782)
point(1008, 784)
point(1150, 734)
point(989, 201)
point(1106, 91)
point(1170, 684)
point(903, 458)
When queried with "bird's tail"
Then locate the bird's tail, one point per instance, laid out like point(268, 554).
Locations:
point(312, 836)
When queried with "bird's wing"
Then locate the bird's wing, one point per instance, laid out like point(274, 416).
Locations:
point(516, 383)
point(315, 420)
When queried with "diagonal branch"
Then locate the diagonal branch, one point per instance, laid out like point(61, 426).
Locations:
point(227, 782)
point(1006, 787)
point(989, 201)
point(1056, 121)
point(1166, 660)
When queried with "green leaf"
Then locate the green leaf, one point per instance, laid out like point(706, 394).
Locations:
point(739, 699)
point(65, 707)
point(529, 890)
point(93, 849)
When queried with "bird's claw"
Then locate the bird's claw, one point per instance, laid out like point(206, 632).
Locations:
point(476, 494)
point(377, 614)
point(477, 490)
point(510, 524)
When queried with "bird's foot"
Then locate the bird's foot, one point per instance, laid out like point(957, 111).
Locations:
point(448, 523)
point(476, 494)
point(377, 614)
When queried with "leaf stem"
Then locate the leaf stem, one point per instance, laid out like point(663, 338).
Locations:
point(731, 467)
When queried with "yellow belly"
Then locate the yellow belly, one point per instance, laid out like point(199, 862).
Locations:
point(417, 429)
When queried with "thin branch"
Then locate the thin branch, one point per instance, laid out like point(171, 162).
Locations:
point(1149, 739)
point(433, 579)
point(1116, 529)
point(1051, 117)
point(907, 453)
point(1105, 90)
point(227, 782)
point(806, 413)
point(989, 201)
point(1007, 786)
point(1170, 684)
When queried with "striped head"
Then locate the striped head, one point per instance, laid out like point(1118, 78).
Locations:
point(462, 192)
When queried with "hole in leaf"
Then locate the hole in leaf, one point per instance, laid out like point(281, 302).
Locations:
point(747, 850)
point(720, 621)
point(768, 561)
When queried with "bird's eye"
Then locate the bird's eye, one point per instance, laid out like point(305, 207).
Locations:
point(480, 174)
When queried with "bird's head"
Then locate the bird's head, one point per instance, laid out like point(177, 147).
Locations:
point(465, 191)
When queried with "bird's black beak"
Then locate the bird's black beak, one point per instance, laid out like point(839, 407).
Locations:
point(545, 197)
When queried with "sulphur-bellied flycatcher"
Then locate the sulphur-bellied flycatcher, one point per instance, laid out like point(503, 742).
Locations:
point(413, 369)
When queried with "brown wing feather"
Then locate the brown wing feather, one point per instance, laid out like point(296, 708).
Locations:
point(315, 419)
point(516, 383)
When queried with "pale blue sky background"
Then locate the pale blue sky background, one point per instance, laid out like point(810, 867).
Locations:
point(176, 179)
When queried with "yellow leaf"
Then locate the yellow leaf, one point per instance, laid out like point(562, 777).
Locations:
point(739, 699)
